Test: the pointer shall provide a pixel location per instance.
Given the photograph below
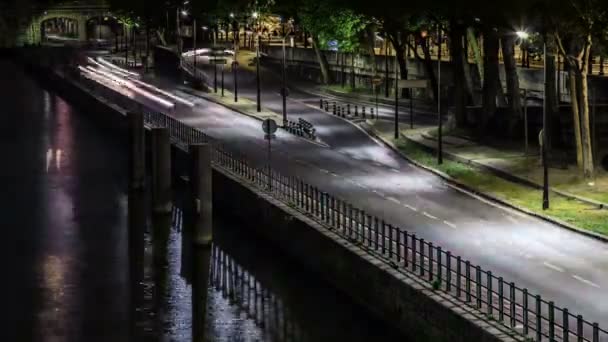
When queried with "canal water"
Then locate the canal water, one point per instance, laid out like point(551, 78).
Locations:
point(72, 271)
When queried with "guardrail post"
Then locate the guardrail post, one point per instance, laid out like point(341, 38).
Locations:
point(369, 231)
point(405, 249)
point(350, 221)
point(525, 311)
point(501, 310)
point(317, 200)
point(333, 212)
point(414, 256)
point(489, 294)
point(137, 152)
point(458, 275)
point(448, 275)
point(565, 325)
point(321, 198)
point(398, 243)
point(596, 332)
point(512, 303)
point(478, 285)
point(539, 333)
point(161, 170)
point(421, 257)
point(439, 264)
point(383, 237)
point(376, 233)
point(390, 242)
point(467, 279)
point(431, 252)
point(551, 321)
point(579, 329)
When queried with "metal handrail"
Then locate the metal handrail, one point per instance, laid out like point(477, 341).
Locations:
point(502, 301)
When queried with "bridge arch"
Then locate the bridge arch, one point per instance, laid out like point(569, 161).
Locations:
point(78, 14)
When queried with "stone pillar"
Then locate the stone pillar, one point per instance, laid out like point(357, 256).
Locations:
point(201, 185)
point(161, 170)
point(137, 165)
point(82, 29)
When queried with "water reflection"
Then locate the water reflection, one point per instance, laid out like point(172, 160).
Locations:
point(242, 289)
point(86, 262)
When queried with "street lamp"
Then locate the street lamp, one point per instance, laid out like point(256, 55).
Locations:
point(523, 35)
point(544, 135)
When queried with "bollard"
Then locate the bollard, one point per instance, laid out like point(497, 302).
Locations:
point(201, 185)
point(565, 325)
point(137, 153)
point(326, 106)
point(321, 103)
point(371, 112)
point(334, 109)
point(348, 108)
point(363, 110)
point(356, 110)
point(161, 170)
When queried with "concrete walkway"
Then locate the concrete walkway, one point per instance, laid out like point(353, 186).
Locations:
point(510, 163)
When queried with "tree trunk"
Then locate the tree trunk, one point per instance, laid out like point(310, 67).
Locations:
point(456, 51)
point(584, 104)
point(401, 55)
point(574, 100)
point(472, 40)
point(428, 68)
point(508, 52)
point(490, 72)
point(323, 64)
point(553, 136)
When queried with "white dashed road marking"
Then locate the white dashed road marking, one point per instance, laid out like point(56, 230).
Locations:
point(450, 224)
point(393, 199)
point(429, 215)
point(583, 280)
point(410, 207)
point(553, 267)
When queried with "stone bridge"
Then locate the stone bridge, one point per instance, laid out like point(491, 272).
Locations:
point(73, 17)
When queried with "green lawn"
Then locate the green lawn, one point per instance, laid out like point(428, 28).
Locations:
point(574, 212)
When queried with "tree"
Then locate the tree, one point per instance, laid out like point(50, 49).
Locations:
point(574, 37)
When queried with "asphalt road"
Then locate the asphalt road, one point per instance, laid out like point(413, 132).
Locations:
point(561, 265)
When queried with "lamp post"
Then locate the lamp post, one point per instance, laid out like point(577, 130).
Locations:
point(544, 135)
point(284, 88)
point(257, 62)
point(439, 117)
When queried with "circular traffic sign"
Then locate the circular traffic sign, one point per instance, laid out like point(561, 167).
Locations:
point(269, 126)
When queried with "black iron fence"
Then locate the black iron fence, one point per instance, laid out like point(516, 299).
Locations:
point(501, 300)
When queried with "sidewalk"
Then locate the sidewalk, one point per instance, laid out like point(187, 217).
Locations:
point(506, 176)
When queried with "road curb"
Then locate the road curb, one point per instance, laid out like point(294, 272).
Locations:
point(211, 99)
point(470, 191)
point(509, 176)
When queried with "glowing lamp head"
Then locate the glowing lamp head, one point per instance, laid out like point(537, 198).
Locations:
point(522, 34)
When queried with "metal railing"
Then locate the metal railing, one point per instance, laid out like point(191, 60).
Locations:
point(260, 303)
point(501, 300)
